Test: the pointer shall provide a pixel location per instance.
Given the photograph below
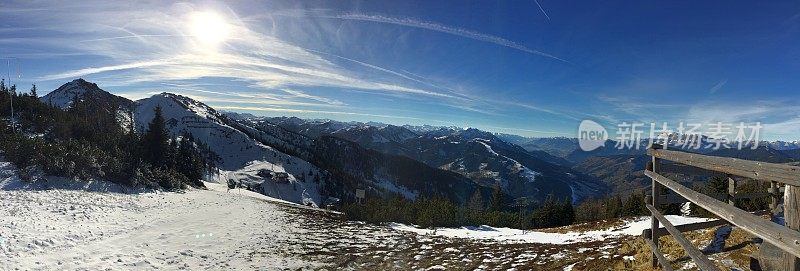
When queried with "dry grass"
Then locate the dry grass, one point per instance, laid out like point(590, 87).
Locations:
point(736, 254)
point(372, 247)
point(587, 226)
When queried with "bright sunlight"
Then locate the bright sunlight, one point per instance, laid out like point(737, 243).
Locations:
point(209, 28)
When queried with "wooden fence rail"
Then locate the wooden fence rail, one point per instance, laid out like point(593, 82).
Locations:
point(675, 198)
point(787, 238)
point(751, 169)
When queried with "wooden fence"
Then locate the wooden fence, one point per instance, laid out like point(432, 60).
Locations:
point(787, 237)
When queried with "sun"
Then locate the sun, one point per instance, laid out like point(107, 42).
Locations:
point(208, 28)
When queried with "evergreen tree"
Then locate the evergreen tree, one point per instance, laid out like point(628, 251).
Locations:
point(634, 205)
point(33, 91)
point(717, 184)
point(172, 154)
point(614, 207)
point(156, 140)
point(567, 212)
point(590, 210)
point(496, 203)
point(476, 201)
point(190, 161)
point(547, 215)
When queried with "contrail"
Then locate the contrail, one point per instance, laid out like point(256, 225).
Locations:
point(718, 86)
point(444, 29)
point(542, 9)
point(386, 71)
point(135, 36)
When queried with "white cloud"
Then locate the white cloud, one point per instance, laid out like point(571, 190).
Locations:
point(788, 129)
point(295, 110)
point(153, 43)
point(740, 111)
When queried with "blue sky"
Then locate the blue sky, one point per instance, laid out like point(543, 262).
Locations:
point(504, 66)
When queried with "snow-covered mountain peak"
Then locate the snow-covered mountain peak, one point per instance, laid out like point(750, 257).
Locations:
point(192, 105)
point(80, 89)
point(472, 133)
point(398, 133)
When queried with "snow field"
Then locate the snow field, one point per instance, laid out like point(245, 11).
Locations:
point(631, 227)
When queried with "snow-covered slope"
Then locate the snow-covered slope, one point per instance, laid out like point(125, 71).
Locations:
point(217, 229)
point(241, 155)
point(630, 227)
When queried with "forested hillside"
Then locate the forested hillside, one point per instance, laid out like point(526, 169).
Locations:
point(89, 140)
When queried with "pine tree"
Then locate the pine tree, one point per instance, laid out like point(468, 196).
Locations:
point(567, 212)
point(476, 201)
point(33, 91)
point(614, 207)
point(156, 140)
point(189, 161)
point(717, 184)
point(497, 199)
point(590, 210)
point(634, 205)
point(547, 215)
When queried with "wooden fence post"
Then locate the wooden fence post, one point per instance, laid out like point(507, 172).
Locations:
point(656, 194)
point(791, 216)
point(773, 189)
point(731, 191)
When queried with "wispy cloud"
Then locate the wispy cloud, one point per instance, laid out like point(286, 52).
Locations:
point(445, 29)
point(780, 119)
point(788, 129)
point(509, 129)
point(162, 51)
point(152, 45)
point(94, 70)
point(751, 110)
point(301, 94)
point(542, 109)
point(134, 36)
point(386, 70)
point(645, 111)
point(286, 96)
point(718, 86)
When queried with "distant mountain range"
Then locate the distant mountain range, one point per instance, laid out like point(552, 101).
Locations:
point(478, 155)
point(622, 170)
point(331, 158)
point(318, 167)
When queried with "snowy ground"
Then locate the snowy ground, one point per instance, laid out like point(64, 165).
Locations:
point(65, 230)
point(42, 228)
point(629, 227)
